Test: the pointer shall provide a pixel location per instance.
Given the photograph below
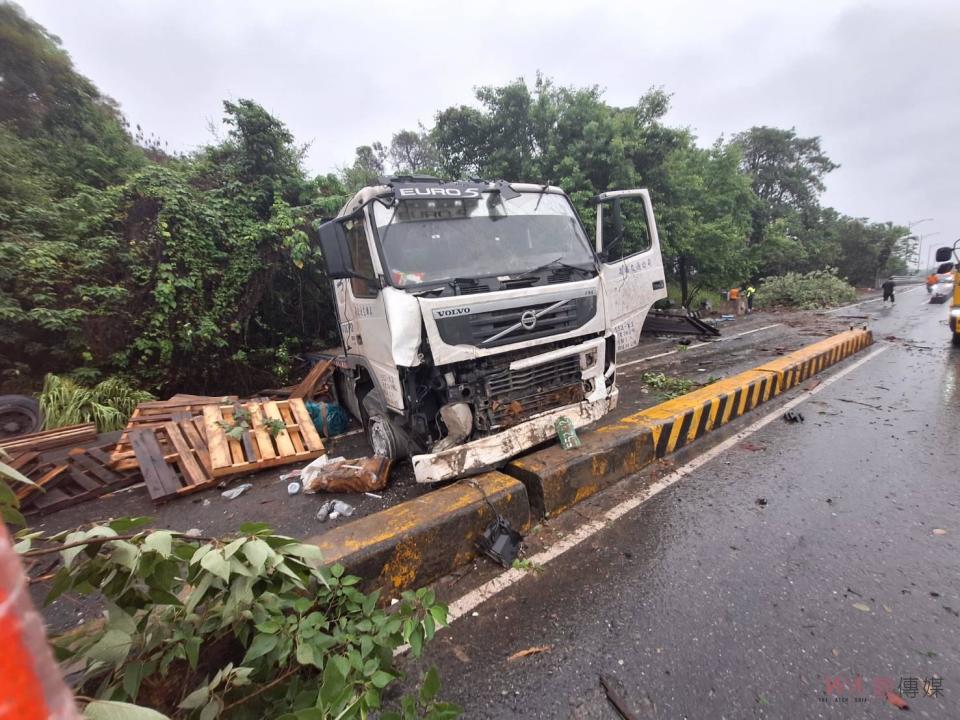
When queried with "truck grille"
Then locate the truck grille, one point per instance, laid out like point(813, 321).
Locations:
point(512, 396)
point(504, 326)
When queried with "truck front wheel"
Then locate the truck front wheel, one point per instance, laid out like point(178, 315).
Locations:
point(956, 339)
point(384, 438)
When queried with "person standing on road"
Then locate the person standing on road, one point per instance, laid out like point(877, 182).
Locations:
point(751, 291)
point(888, 287)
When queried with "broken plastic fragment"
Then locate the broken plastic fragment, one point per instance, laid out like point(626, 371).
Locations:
point(500, 542)
point(293, 488)
point(236, 492)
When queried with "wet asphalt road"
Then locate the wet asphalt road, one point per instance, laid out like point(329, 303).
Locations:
point(704, 603)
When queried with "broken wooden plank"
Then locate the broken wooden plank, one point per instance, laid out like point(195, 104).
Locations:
point(47, 439)
point(305, 388)
point(262, 435)
point(199, 445)
point(157, 474)
point(193, 473)
point(311, 438)
point(282, 438)
point(216, 440)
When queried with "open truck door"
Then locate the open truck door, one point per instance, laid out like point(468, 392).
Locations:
point(631, 270)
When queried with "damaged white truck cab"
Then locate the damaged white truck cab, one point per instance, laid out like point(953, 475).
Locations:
point(474, 314)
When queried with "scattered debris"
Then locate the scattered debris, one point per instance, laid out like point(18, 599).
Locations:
point(566, 433)
point(896, 700)
point(752, 447)
point(535, 650)
point(332, 509)
point(356, 475)
point(328, 418)
point(862, 607)
point(792, 416)
point(950, 610)
point(374, 495)
point(193, 533)
point(761, 501)
point(235, 492)
point(458, 420)
point(939, 531)
point(500, 542)
point(293, 488)
point(618, 702)
point(308, 386)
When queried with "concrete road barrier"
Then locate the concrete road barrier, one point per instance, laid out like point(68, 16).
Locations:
point(557, 479)
point(418, 541)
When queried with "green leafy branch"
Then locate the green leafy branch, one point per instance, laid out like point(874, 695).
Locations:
point(246, 627)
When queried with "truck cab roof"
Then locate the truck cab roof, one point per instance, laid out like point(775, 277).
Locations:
point(422, 187)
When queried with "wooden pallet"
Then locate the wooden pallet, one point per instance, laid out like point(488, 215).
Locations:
point(84, 475)
point(257, 449)
point(47, 439)
point(172, 458)
point(154, 414)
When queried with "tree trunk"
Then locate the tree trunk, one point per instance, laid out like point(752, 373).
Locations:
point(684, 290)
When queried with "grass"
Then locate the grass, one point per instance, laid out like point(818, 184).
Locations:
point(109, 404)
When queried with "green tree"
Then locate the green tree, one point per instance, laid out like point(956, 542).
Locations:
point(412, 151)
point(786, 172)
point(705, 216)
point(368, 167)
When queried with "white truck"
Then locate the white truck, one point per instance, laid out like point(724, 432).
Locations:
point(474, 314)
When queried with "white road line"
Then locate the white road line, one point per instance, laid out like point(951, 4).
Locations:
point(471, 600)
point(876, 299)
point(697, 345)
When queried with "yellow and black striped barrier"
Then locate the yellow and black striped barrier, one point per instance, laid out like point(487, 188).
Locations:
point(557, 479)
point(676, 422)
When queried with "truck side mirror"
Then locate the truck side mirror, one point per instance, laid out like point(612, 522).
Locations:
point(944, 254)
point(335, 251)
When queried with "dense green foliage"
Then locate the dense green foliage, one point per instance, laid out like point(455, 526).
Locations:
point(247, 627)
point(816, 289)
point(198, 272)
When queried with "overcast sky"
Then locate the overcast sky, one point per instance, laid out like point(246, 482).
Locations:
point(879, 81)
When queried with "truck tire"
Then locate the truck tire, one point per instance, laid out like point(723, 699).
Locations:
point(384, 438)
point(19, 415)
point(956, 339)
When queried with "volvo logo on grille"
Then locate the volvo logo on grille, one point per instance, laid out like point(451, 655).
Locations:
point(528, 321)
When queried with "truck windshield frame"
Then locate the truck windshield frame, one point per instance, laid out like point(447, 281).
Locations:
point(435, 241)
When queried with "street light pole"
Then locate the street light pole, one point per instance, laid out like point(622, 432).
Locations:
point(920, 238)
point(920, 247)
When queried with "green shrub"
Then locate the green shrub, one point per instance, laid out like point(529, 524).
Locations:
point(109, 404)
point(817, 289)
point(242, 628)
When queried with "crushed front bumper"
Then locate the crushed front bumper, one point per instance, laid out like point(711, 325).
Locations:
point(492, 451)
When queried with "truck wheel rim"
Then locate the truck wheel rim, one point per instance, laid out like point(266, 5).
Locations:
point(378, 438)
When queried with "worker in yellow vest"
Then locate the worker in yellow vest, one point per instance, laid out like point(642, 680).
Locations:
point(751, 291)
